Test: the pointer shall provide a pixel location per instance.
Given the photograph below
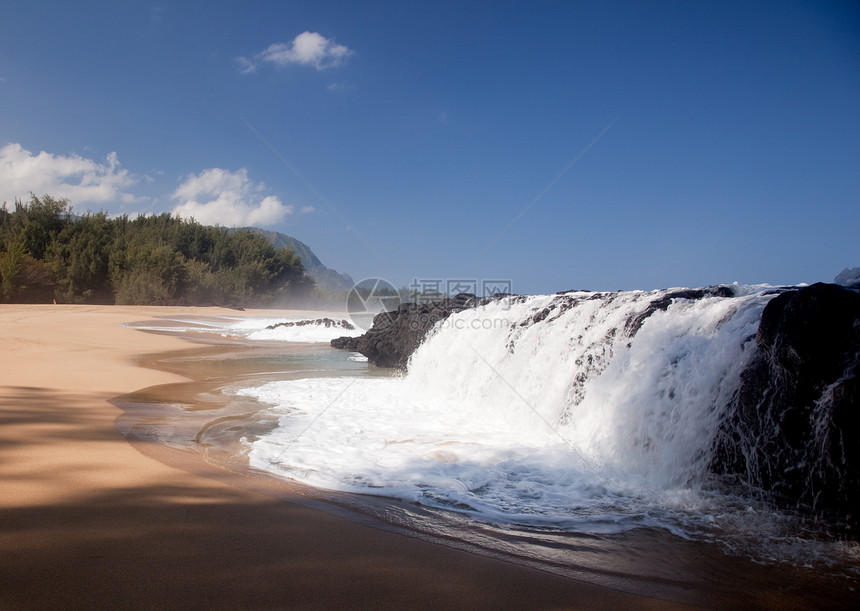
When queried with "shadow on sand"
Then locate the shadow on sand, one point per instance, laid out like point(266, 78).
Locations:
point(171, 538)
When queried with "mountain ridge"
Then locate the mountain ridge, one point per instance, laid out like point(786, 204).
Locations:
point(325, 277)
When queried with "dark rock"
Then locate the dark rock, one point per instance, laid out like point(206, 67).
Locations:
point(662, 304)
point(793, 428)
point(395, 335)
point(319, 322)
point(345, 343)
point(540, 316)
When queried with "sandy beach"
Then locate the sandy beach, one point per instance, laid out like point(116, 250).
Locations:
point(88, 520)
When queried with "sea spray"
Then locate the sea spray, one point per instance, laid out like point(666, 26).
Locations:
point(593, 410)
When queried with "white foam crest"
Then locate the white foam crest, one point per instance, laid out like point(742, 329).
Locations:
point(655, 408)
point(645, 405)
point(310, 333)
point(290, 329)
point(260, 328)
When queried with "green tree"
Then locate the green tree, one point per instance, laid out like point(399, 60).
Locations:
point(40, 222)
point(10, 269)
point(44, 250)
point(80, 257)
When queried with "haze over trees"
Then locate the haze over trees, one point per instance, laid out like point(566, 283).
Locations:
point(47, 253)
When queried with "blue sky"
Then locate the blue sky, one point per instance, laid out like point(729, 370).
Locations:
point(560, 145)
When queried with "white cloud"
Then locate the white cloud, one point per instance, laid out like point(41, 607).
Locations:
point(220, 197)
point(306, 49)
point(81, 180)
point(307, 209)
point(246, 66)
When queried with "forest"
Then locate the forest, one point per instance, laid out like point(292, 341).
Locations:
point(48, 253)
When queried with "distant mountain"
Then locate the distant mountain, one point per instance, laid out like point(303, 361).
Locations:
point(325, 277)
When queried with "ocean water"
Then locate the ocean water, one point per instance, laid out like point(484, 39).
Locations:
point(565, 421)
point(568, 431)
point(300, 329)
point(560, 412)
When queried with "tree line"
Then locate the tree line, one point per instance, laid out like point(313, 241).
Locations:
point(48, 253)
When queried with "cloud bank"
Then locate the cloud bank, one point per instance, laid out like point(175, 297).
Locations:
point(220, 197)
point(306, 49)
point(83, 181)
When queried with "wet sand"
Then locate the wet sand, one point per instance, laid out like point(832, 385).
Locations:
point(90, 520)
point(206, 417)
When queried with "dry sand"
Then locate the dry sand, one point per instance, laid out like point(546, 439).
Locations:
point(88, 520)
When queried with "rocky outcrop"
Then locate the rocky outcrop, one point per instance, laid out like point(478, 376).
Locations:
point(328, 323)
point(794, 429)
point(662, 304)
point(395, 335)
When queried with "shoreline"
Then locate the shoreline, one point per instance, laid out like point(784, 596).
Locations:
point(644, 562)
point(89, 519)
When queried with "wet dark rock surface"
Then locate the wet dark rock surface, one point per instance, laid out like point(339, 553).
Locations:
point(395, 335)
point(794, 429)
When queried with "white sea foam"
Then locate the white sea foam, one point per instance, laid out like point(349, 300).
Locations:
point(258, 328)
point(555, 409)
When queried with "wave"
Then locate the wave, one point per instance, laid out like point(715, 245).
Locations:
point(593, 410)
point(319, 329)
